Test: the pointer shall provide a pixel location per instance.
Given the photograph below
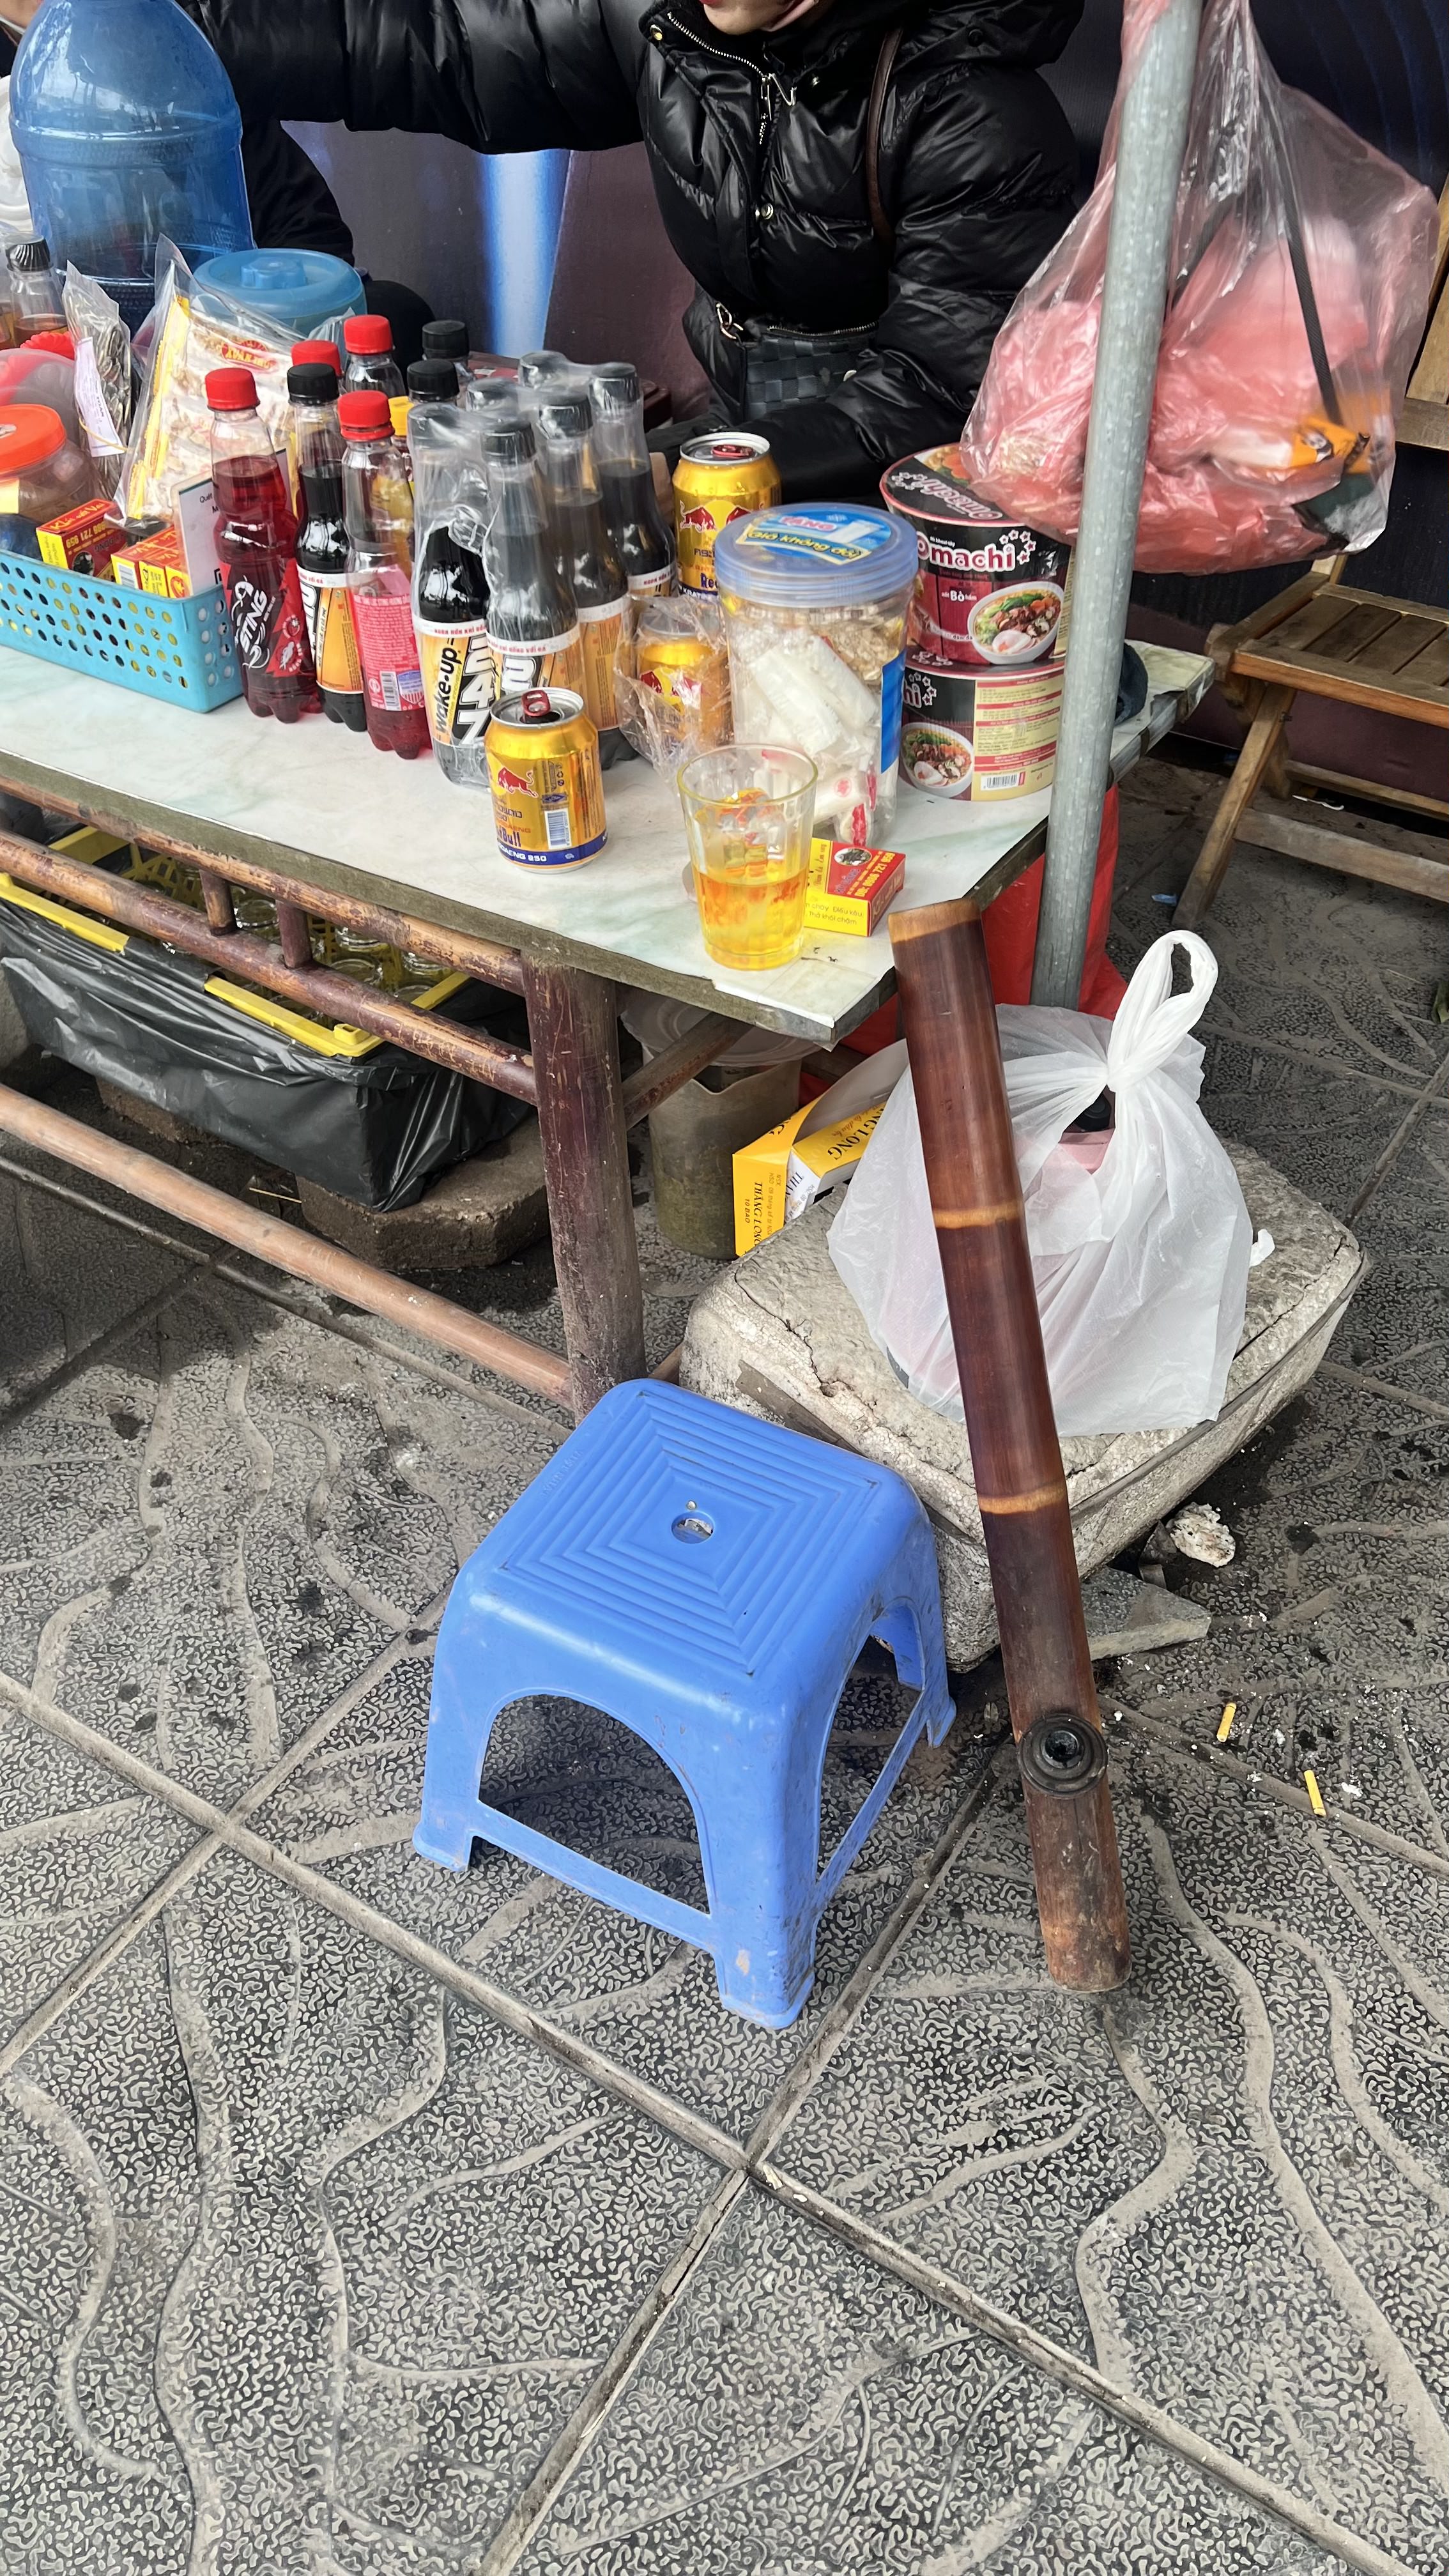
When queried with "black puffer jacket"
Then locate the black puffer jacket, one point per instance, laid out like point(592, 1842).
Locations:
point(758, 152)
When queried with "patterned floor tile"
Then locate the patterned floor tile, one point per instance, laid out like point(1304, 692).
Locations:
point(803, 2414)
point(1313, 961)
point(226, 1520)
point(1229, 2184)
point(1331, 1626)
point(68, 1277)
point(304, 2264)
point(79, 1849)
point(649, 2002)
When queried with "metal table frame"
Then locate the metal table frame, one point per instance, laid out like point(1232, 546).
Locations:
point(571, 1076)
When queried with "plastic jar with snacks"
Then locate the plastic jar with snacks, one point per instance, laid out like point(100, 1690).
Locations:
point(42, 473)
point(815, 603)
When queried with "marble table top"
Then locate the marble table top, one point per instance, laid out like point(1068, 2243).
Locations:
point(317, 802)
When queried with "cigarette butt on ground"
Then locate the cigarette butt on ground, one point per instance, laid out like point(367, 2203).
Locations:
point(1315, 1794)
point(1225, 1722)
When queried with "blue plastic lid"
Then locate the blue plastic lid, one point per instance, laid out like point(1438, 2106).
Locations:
point(300, 289)
point(824, 555)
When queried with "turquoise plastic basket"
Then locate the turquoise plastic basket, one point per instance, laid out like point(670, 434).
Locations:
point(177, 649)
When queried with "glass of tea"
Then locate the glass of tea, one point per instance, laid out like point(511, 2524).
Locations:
point(748, 810)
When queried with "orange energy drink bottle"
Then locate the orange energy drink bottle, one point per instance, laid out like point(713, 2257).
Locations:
point(718, 479)
point(315, 443)
point(548, 789)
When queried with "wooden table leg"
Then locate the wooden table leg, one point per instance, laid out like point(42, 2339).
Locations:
point(950, 1024)
point(1259, 746)
point(575, 1043)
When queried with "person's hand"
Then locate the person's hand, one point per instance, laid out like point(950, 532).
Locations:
point(17, 14)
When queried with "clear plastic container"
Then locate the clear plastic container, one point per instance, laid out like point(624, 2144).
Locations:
point(127, 129)
point(42, 473)
point(815, 603)
point(34, 288)
point(299, 290)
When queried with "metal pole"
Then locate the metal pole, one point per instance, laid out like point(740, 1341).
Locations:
point(1149, 163)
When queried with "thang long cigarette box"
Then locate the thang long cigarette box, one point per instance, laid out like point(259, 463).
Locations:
point(851, 889)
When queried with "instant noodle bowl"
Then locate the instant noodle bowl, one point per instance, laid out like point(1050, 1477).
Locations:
point(990, 591)
point(814, 602)
point(986, 735)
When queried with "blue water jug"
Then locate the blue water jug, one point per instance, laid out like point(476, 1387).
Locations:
point(127, 129)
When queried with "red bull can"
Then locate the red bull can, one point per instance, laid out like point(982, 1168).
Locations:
point(717, 479)
point(548, 788)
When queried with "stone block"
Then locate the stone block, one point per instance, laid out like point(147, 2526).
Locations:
point(476, 1215)
point(779, 1334)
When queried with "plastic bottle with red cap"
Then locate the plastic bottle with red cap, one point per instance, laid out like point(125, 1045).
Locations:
point(377, 500)
point(371, 366)
point(256, 544)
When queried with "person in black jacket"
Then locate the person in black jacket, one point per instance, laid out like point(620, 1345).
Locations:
point(847, 298)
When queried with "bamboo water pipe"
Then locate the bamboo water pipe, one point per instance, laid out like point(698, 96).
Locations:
point(971, 1170)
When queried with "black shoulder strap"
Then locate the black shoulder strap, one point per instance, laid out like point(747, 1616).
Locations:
point(880, 222)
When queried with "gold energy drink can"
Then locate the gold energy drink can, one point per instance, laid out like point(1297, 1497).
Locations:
point(718, 479)
point(548, 788)
point(684, 670)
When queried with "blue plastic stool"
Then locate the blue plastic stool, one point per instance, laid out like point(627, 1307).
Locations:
point(708, 1580)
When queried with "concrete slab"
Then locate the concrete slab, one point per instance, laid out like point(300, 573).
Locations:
point(780, 1335)
point(476, 1215)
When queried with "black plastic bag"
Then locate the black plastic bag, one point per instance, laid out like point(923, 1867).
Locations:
point(376, 1128)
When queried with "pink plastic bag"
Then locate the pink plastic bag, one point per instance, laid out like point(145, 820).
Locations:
point(1257, 455)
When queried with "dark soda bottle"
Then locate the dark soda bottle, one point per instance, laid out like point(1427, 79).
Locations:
point(256, 544)
point(643, 543)
point(447, 340)
point(315, 443)
point(450, 603)
point(587, 562)
point(532, 624)
point(377, 502)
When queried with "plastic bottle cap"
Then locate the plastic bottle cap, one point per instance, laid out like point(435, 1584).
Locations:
point(231, 389)
point(434, 379)
point(510, 444)
point(615, 386)
point(566, 415)
point(445, 340)
point(56, 344)
point(312, 383)
point(29, 432)
point(317, 353)
point(368, 335)
point(27, 258)
point(365, 415)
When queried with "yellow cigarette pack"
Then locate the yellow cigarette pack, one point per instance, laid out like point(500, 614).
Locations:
point(851, 889)
point(780, 1175)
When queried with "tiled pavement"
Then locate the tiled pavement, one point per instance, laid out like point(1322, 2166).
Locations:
point(361, 2220)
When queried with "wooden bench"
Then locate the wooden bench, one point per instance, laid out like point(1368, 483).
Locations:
point(1328, 641)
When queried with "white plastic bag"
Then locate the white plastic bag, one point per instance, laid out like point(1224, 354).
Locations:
point(1141, 1265)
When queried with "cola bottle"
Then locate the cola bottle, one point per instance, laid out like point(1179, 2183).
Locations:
point(256, 544)
point(587, 562)
point(643, 543)
point(315, 442)
point(532, 626)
